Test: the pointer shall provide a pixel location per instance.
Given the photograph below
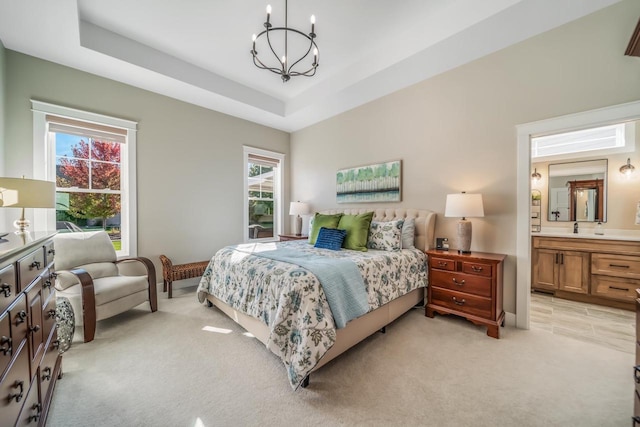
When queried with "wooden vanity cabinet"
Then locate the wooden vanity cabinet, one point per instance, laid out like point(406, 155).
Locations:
point(599, 271)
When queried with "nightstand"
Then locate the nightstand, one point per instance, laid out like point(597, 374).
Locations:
point(467, 285)
point(285, 237)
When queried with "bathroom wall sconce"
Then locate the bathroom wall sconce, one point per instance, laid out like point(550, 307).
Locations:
point(535, 176)
point(627, 169)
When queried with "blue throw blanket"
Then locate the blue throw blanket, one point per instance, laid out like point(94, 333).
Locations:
point(340, 279)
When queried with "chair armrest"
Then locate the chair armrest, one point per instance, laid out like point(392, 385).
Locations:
point(88, 302)
point(151, 277)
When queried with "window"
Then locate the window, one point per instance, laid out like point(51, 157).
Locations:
point(263, 194)
point(90, 160)
point(587, 141)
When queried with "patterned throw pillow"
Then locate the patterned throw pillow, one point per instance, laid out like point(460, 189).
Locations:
point(386, 236)
point(330, 238)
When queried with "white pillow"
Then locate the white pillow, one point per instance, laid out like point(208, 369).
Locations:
point(385, 236)
point(409, 233)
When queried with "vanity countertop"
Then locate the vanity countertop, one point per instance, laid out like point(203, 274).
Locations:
point(587, 233)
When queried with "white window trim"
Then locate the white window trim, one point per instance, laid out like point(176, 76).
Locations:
point(43, 170)
point(278, 191)
point(600, 117)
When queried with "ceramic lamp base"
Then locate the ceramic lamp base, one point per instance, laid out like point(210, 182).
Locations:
point(298, 225)
point(464, 236)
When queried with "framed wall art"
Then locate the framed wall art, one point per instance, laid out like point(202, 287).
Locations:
point(380, 182)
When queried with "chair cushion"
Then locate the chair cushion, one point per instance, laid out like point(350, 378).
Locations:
point(74, 249)
point(96, 271)
point(109, 289)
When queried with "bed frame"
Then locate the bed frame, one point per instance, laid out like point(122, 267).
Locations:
point(376, 320)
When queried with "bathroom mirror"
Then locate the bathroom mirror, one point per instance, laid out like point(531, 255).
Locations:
point(578, 191)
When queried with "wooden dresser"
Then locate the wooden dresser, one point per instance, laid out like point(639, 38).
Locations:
point(636, 369)
point(598, 271)
point(30, 362)
point(467, 285)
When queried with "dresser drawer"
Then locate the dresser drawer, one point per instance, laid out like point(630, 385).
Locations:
point(29, 267)
point(442, 264)
point(616, 265)
point(49, 253)
point(49, 316)
point(6, 343)
point(14, 387)
point(459, 301)
point(462, 282)
point(614, 287)
point(18, 320)
point(7, 287)
point(477, 268)
point(31, 409)
point(48, 365)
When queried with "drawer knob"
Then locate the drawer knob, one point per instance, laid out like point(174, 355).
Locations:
point(47, 283)
point(17, 396)
point(34, 328)
point(51, 251)
point(21, 317)
point(51, 313)
point(460, 283)
point(460, 302)
point(5, 342)
point(442, 263)
point(55, 344)
point(53, 275)
point(35, 264)
point(46, 376)
point(636, 373)
point(476, 268)
point(5, 289)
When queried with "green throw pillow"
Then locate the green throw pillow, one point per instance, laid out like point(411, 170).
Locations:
point(321, 220)
point(357, 227)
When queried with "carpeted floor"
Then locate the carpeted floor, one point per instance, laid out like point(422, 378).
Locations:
point(167, 369)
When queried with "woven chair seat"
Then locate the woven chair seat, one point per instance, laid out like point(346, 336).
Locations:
point(172, 272)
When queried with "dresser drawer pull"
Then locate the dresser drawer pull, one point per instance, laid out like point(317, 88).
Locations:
point(35, 264)
point(51, 313)
point(34, 328)
point(51, 251)
point(636, 420)
point(476, 268)
point(460, 283)
point(17, 397)
point(38, 408)
point(5, 288)
point(636, 373)
point(21, 317)
point(46, 376)
point(618, 265)
point(55, 344)
point(53, 275)
point(47, 283)
point(442, 263)
point(461, 302)
point(615, 288)
point(5, 341)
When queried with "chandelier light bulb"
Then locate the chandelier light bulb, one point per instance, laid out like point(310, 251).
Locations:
point(253, 38)
point(313, 19)
point(284, 60)
point(315, 52)
point(268, 9)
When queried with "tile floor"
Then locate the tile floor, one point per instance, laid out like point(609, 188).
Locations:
point(607, 326)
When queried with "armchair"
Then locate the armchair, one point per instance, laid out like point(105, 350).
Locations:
point(97, 284)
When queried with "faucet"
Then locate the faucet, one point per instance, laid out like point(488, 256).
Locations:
point(575, 228)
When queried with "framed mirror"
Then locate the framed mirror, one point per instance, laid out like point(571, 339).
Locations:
point(578, 191)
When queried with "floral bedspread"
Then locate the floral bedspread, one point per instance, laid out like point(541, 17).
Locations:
point(290, 300)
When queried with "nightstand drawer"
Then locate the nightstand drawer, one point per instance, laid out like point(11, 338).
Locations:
point(462, 282)
point(477, 268)
point(463, 302)
point(442, 264)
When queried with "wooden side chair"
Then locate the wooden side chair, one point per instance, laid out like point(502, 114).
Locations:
point(172, 272)
point(97, 284)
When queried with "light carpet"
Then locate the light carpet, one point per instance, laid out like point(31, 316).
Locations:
point(168, 369)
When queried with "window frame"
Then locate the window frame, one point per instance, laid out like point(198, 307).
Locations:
point(44, 167)
point(278, 192)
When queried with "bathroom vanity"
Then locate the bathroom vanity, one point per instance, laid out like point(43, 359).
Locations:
point(601, 270)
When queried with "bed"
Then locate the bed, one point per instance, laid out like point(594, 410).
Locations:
point(284, 306)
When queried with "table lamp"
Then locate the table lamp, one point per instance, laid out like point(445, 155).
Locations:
point(26, 193)
point(464, 205)
point(298, 208)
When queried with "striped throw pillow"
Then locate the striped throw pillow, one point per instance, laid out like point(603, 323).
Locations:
point(330, 238)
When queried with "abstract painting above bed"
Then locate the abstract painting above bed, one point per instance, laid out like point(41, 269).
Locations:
point(291, 300)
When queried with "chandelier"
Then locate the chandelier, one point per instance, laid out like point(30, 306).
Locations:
point(286, 65)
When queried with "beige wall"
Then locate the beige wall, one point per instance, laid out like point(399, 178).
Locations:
point(189, 159)
point(456, 131)
point(623, 193)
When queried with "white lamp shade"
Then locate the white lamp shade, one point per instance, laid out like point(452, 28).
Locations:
point(464, 205)
point(298, 208)
point(27, 193)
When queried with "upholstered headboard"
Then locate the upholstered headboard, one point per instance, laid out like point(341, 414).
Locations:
point(425, 221)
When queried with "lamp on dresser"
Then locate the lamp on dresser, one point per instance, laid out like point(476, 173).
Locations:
point(464, 205)
point(298, 208)
point(26, 193)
